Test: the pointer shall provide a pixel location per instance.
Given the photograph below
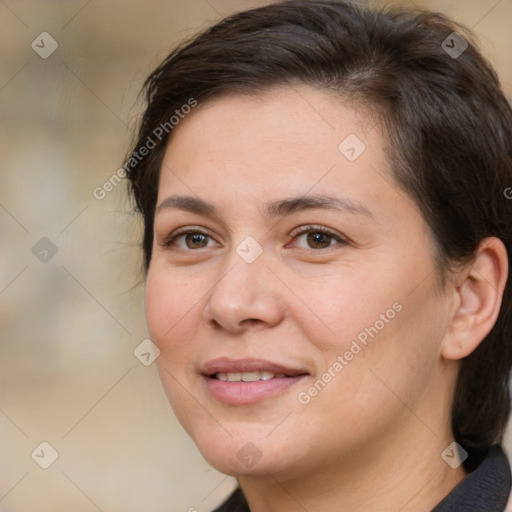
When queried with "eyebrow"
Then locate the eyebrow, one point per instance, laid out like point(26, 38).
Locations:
point(272, 209)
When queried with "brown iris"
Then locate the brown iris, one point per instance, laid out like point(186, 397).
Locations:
point(196, 238)
point(316, 238)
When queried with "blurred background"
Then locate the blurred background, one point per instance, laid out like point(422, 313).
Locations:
point(71, 286)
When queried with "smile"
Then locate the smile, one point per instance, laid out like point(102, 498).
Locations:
point(246, 381)
point(248, 376)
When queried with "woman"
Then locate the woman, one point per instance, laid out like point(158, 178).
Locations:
point(326, 243)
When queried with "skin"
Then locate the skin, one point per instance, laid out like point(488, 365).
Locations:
point(372, 438)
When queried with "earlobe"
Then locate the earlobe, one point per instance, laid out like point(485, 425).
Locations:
point(478, 299)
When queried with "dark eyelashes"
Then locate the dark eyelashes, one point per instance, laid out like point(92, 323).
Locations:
point(170, 240)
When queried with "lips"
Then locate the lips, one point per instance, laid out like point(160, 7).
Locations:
point(246, 381)
point(247, 366)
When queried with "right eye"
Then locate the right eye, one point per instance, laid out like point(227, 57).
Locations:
point(186, 240)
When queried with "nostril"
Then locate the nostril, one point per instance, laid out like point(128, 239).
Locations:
point(250, 321)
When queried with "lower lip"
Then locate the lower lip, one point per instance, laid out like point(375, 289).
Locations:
point(240, 393)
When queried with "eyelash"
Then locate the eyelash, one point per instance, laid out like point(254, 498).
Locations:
point(170, 240)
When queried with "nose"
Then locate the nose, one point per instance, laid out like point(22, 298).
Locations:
point(246, 294)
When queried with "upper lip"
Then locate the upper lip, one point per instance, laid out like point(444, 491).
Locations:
point(227, 365)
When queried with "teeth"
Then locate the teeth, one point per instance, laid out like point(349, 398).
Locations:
point(247, 376)
point(250, 376)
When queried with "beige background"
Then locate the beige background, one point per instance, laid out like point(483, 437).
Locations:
point(69, 326)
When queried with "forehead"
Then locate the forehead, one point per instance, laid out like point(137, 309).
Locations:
point(291, 132)
point(297, 113)
point(241, 151)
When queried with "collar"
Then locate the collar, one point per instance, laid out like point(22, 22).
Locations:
point(486, 489)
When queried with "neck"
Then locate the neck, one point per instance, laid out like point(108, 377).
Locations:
point(411, 477)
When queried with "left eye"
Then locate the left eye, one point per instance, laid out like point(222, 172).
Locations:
point(318, 238)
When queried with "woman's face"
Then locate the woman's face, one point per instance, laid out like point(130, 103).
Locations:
point(299, 319)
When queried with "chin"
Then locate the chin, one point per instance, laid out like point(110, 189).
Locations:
point(233, 455)
point(231, 465)
point(247, 454)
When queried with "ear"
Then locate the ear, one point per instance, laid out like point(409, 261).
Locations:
point(478, 297)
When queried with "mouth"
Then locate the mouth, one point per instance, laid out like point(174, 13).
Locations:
point(248, 381)
point(248, 376)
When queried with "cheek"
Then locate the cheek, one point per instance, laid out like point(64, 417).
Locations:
point(344, 307)
point(158, 300)
point(172, 319)
point(400, 349)
point(170, 310)
point(382, 323)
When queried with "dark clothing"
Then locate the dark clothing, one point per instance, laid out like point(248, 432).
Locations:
point(485, 489)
